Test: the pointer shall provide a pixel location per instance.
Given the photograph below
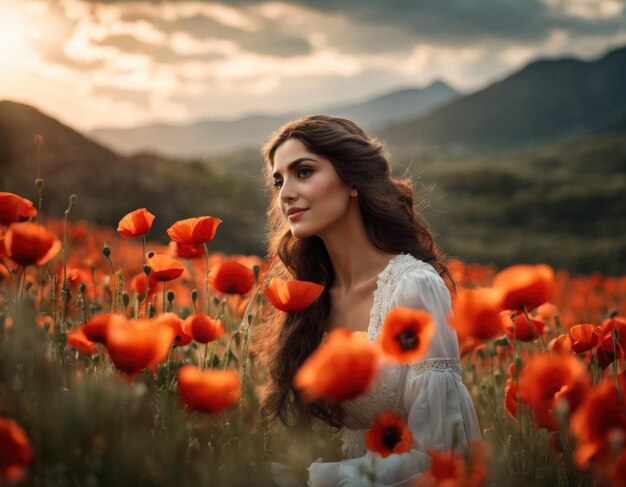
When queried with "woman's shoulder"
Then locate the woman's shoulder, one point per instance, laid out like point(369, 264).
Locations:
point(405, 269)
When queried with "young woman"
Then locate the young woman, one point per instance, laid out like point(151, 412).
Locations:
point(338, 218)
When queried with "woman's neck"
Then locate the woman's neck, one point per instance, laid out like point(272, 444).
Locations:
point(354, 257)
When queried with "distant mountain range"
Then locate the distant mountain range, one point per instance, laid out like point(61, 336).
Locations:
point(546, 101)
point(220, 136)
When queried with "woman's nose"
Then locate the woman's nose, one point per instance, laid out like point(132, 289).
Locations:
point(287, 192)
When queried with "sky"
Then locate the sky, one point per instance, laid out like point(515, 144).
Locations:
point(123, 63)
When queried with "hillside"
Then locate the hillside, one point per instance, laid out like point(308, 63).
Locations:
point(108, 185)
point(211, 137)
point(545, 102)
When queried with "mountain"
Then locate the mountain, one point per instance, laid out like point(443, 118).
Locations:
point(221, 136)
point(109, 185)
point(401, 105)
point(547, 101)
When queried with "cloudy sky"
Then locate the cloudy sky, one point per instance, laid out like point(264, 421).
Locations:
point(95, 63)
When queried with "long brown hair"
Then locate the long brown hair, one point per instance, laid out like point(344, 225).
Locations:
point(392, 223)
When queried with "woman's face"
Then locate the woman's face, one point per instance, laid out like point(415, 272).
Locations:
point(312, 197)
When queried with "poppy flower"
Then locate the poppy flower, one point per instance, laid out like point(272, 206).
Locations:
point(136, 223)
point(406, 334)
point(16, 452)
point(292, 296)
point(78, 340)
point(186, 251)
point(203, 328)
point(164, 268)
point(194, 231)
point(232, 277)
point(30, 243)
point(14, 208)
point(450, 469)
point(138, 344)
point(518, 326)
point(525, 286)
point(510, 398)
point(605, 350)
point(561, 344)
point(584, 337)
point(476, 314)
point(546, 379)
point(341, 368)
point(181, 337)
point(600, 418)
point(208, 391)
point(138, 283)
point(95, 330)
point(390, 434)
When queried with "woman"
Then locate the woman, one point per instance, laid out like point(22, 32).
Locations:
point(338, 218)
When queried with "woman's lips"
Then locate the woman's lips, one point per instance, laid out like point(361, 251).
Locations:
point(295, 215)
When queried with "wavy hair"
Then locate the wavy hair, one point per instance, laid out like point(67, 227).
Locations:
point(393, 224)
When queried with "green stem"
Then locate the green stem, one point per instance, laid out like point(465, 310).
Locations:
point(164, 296)
point(206, 279)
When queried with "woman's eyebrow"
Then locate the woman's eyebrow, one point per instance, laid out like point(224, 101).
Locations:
point(292, 164)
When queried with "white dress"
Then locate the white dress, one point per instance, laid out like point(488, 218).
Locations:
point(429, 393)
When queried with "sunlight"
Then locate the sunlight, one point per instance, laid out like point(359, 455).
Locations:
point(13, 34)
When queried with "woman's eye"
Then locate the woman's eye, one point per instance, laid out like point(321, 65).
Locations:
point(304, 172)
point(278, 183)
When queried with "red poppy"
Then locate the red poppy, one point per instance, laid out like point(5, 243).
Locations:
point(510, 398)
point(340, 369)
point(231, 277)
point(30, 243)
point(390, 434)
point(136, 223)
point(292, 296)
point(203, 328)
point(561, 344)
point(449, 469)
point(600, 418)
point(164, 268)
point(96, 329)
point(78, 340)
point(208, 391)
point(406, 334)
point(525, 286)
point(14, 208)
point(606, 344)
point(520, 327)
point(476, 314)
point(138, 283)
point(194, 231)
point(181, 337)
point(138, 344)
point(546, 379)
point(16, 452)
point(584, 337)
point(186, 251)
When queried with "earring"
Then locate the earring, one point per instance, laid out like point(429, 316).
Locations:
point(354, 193)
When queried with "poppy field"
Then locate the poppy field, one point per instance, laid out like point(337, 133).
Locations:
point(125, 361)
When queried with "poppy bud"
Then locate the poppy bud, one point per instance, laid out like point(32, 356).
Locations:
point(39, 184)
point(28, 285)
point(256, 270)
point(147, 269)
point(151, 310)
point(170, 296)
point(106, 251)
point(125, 299)
point(73, 199)
point(82, 287)
point(194, 295)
